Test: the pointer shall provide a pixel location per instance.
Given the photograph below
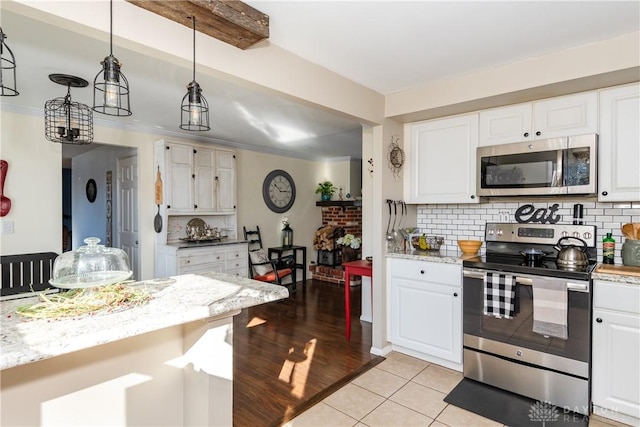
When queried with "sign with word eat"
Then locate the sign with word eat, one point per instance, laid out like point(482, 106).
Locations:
point(528, 213)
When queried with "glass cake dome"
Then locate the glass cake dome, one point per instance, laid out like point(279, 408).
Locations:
point(90, 266)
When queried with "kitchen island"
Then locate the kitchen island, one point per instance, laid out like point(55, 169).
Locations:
point(168, 362)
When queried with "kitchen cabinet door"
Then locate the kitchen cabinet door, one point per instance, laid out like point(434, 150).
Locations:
point(204, 180)
point(425, 309)
point(616, 351)
point(226, 181)
point(506, 125)
point(569, 115)
point(619, 144)
point(442, 160)
point(179, 181)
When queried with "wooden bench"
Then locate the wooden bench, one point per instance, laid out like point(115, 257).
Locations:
point(26, 272)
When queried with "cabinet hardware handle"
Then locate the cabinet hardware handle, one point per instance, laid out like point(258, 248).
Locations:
point(526, 134)
point(195, 206)
point(538, 133)
point(421, 271)
point(599, 320)
point(455, 294)
point(604, 193)
point(473, 197)
point(168, 206)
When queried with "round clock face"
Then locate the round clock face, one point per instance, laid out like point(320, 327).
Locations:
point(279, 191)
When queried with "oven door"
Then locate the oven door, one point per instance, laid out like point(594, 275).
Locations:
point(514, 338)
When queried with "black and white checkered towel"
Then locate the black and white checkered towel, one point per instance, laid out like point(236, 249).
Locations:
point(499, 295)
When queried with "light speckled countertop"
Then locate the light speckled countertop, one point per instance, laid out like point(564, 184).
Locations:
point(616, 278)
point(176, 300)
point(449, 257)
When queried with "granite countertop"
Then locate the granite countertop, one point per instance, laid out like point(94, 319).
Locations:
point(184, 244)
point(449, 257)
point(175, 301)
point(616, 278)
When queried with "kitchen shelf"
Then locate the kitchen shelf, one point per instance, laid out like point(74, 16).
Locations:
point(341, 203)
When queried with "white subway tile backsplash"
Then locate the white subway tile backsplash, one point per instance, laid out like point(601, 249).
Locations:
point(465, 221)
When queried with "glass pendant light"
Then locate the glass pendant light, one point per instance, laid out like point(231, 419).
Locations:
point(110, 87)
point(8, 69)
point(65, 121)
point(195, 109)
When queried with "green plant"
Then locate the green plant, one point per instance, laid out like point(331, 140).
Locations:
point(326, 188)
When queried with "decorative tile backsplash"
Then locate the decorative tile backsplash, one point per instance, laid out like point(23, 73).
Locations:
point(467, 221)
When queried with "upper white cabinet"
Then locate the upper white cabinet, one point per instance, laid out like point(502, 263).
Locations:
point(551, 118)
point(197, 180)
point(619, 144)
point(442, 160)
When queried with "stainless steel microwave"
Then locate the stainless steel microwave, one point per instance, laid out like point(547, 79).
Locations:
point(554, 166)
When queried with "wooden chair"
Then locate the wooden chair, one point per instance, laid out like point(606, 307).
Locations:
point(264, 269)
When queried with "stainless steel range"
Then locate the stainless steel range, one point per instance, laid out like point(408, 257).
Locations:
point(527, 314)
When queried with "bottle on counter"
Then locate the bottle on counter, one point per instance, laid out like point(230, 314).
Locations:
point(608, 249)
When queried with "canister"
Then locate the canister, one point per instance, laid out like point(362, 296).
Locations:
point(631, 253)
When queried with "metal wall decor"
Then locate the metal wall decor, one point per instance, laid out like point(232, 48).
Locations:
point(110, 87)
point(7, 69)
point(395, 156)
point(65, 121)
point(194, 108)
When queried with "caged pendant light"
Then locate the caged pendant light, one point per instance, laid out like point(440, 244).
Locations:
point(195, 109)
point(65, 121)
point(8, 69)
point(110, 87)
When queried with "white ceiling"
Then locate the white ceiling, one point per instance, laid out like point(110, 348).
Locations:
point(418, 41)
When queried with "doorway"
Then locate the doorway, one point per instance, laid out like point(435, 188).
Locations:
point(97, 167)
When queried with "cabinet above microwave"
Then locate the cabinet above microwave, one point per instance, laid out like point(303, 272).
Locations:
point(557, 166)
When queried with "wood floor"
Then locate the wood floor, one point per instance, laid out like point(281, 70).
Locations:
point(290, 354)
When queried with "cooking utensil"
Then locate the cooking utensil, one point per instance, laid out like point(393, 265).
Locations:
point(629, 231)
point(5, 202)
point(533, 257)
point(157, 220)
point(389, 236)
point(570, 255)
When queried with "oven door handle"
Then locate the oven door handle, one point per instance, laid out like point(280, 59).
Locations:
point(580, 287)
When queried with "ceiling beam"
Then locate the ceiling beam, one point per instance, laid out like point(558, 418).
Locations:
point(230, 21)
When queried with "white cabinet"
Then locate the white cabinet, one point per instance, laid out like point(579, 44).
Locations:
point(198, 180)
point(425, 310)
point(228, 258)
point(616, 351)
point(619, 144)
point(569, 115)
point(442, 160)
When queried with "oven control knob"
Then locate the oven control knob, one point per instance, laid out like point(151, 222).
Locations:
point(491, 231)
point(499, 232)
point(576, 234)
point(519, 353)
point(565, 233)
point(587, 236)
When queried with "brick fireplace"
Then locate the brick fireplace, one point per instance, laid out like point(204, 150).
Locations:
point(339, 214)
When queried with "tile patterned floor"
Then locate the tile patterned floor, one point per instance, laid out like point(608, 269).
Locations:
point(401, 391)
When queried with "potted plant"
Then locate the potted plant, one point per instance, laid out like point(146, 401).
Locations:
point(326, 190)
point(350, 247)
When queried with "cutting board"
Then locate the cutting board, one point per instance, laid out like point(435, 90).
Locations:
point(618, 269)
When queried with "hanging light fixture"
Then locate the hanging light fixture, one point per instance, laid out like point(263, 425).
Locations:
point(65, 121)
point(8, 69)
point(110, 87)
point(195, 109)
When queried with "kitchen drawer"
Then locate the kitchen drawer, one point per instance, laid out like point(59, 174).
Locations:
point(236, 264)
point(434, 272)
point(240, 253)
point(616, 296)
point(241, 272)
point(201, 258)
point(218, 267)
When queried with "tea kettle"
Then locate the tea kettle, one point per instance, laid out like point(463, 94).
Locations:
point(570, 255)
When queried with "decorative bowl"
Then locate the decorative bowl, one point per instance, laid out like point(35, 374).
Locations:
point(469, 246)
point(433, 242)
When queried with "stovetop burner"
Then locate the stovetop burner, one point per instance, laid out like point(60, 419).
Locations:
point(505, 242)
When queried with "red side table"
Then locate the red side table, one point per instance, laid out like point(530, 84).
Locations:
point(356, 268)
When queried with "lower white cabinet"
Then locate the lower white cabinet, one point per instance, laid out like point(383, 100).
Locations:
point(615, 386)
point(229, 259)
point(425, 310)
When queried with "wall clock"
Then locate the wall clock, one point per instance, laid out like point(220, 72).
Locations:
point(278, 191)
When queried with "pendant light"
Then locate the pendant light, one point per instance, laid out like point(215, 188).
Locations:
point(110, 87)
point(8, 69)
point(195, 109)
point(65, 121)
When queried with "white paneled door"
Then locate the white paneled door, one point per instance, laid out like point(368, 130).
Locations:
point(128, 212)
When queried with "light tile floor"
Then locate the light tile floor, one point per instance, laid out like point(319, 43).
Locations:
point(400, 391)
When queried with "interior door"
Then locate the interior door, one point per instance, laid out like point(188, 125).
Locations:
point(128, 212)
